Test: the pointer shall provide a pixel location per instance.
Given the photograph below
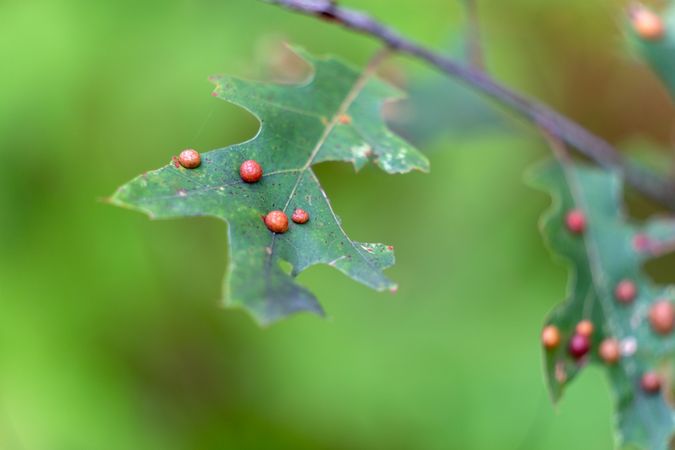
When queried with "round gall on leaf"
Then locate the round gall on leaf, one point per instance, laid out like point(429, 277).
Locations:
point(610, 351)
point(642, 243)
point(579, 346)
point(575, 221)
point(300, 216)
point(650, 383)
point(625, 292)
point(189, 158)
point(647, 24)
point(277, 221)
point(550, 337)
point(250, 171)
point(585, 328)
point(662, 317)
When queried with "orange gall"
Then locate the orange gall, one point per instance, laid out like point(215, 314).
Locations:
point(647, 24)
point(300, 216)
point(189, 158)
point(277, 221)
point(585, 328)
point(610, 351)
point(550, 337)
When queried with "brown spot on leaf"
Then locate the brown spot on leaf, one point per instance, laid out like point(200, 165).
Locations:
point(344, 119)
point(560, 372)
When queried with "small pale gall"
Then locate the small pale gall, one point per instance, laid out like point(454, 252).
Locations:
point(650, 383)
point(575, 221)
point(277, 221)
point(662, 316)
point(300, 216)
point(625, 292)
point(585, 328)
point(250, 171)
point(189, 158)
point(642, 243)
point(610, 351)
point(579, 345)
point(344, 119)
point(550, 337)
point(647, 24)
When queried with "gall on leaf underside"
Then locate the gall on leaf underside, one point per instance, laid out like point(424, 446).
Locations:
point(300, 126)
point(611, 249)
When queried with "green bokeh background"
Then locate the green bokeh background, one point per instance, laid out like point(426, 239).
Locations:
point(111, 333)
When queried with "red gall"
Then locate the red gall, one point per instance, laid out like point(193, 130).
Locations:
point(250, 171)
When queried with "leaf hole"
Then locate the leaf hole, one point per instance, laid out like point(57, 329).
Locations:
point(285, 266)
point(661, 269)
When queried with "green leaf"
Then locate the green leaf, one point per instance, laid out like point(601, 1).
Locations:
point(658, 53)
point(335, 116)
point(611, 249)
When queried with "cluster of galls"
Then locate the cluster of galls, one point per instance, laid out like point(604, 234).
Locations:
point(661, 320)
point(250, 172)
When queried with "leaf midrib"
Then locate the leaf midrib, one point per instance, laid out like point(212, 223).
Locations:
point(352, 94)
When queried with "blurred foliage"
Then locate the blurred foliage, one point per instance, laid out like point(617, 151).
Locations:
point(598, 261)
point(110, 332)
point(437, 107)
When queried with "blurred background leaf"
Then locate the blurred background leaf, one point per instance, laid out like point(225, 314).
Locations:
point(438, 108)
point(656, 50)
point(110, 332)
point(598, 262)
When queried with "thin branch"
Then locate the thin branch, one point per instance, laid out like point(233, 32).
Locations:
point(571, 133)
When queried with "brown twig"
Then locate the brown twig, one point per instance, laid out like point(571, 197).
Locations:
point(571, 133)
